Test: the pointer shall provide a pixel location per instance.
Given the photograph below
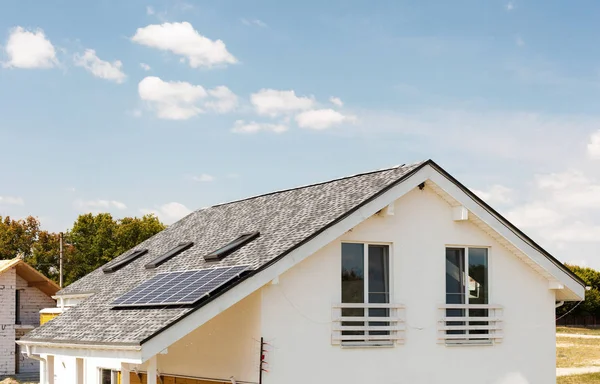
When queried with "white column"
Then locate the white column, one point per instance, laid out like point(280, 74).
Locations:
point(152, 370)
point(43, 368)
point(125, 373)
point(50, 369)
point(79, 370)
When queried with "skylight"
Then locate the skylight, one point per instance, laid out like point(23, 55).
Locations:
point(171, 253)
point(233, 246)
point(124, 261)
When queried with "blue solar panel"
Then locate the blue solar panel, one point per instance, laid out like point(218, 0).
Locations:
point(179, 288)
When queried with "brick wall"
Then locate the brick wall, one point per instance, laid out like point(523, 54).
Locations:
point(32, 300)
point(7, 322)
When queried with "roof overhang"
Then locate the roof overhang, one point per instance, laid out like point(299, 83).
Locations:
point(128, 353)
point(33, 277)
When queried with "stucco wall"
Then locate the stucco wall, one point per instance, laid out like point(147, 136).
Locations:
point(7, 321)
point(226, 346)
point(296, 313)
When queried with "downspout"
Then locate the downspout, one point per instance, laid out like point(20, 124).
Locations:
point(559, 304)
point(44, 363)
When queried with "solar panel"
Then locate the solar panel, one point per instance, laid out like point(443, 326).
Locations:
point(124, 261)
point(232, 246)
point(169, 254)
point(179, 288)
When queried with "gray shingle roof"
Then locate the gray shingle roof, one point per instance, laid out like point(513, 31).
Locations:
point(285, 219)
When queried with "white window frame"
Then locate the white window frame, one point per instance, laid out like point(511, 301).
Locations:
point(366, 267)
point(466, 272)
point(114, 375)
point(467, 293)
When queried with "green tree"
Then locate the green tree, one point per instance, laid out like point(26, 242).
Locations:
point(591, 305)
point(17, 236)
point(97, 239)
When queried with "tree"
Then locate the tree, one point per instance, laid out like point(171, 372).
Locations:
point(97, 239)
point(17, 236)
point(93, 241)
point(591, 305)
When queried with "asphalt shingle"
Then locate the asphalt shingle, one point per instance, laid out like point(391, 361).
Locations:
point(284, 219)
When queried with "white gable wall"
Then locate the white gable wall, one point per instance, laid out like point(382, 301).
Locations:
point(296, 313)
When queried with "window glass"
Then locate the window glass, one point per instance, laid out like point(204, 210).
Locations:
point(353, 283)
point(455, 267)
point(478, 276)
point(105, 376)
point(353, 273)
point(379, 285)
point(478, 285)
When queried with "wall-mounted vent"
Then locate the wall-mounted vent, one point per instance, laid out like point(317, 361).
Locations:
point(170, 254)
point(124, 261)
point(233, 246)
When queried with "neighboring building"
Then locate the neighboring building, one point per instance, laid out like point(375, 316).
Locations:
point(23, 293)
point(395, 276)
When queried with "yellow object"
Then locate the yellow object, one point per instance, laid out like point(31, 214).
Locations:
point(48, 314)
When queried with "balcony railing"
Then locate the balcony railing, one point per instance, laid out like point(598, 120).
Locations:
point(470, 324)
point(367, 324)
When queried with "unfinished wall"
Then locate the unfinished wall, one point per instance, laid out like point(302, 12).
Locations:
point(32, 301)
point(7, 322)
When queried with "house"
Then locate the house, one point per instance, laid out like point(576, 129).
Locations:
point(401, 275)
point(23, 293)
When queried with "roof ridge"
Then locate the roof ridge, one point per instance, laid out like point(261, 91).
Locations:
point(314, 184)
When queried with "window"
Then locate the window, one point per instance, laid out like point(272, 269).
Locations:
point(365, 279)
point(17, 306)
point(233, 246)
point(467, 283)
point(170, 254)
point(109, 376)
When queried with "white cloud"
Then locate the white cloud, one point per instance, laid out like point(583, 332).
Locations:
point(496, 194)
point(150, 10)
point(593, 147)
point(168, 213)
point(183, 40)
point(180, 100)
point(273, 103)
point(145, 66)
point(174, 100)
point(576, 232)
point(336, 101)
point(29, 49)
point(534, 215)
point(98, 205)
point(204, 178)
point(255, 22)
point(100, 68)
point(241, 126)
point(224, 100)
point(510, 6)
point(11, 200)
point(519, 41)
point(319, 119)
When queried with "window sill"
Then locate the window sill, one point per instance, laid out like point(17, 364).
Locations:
point(368, 344)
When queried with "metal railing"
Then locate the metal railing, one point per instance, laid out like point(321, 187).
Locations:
point(367, 324)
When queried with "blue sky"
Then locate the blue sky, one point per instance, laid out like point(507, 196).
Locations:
point(169, 106)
